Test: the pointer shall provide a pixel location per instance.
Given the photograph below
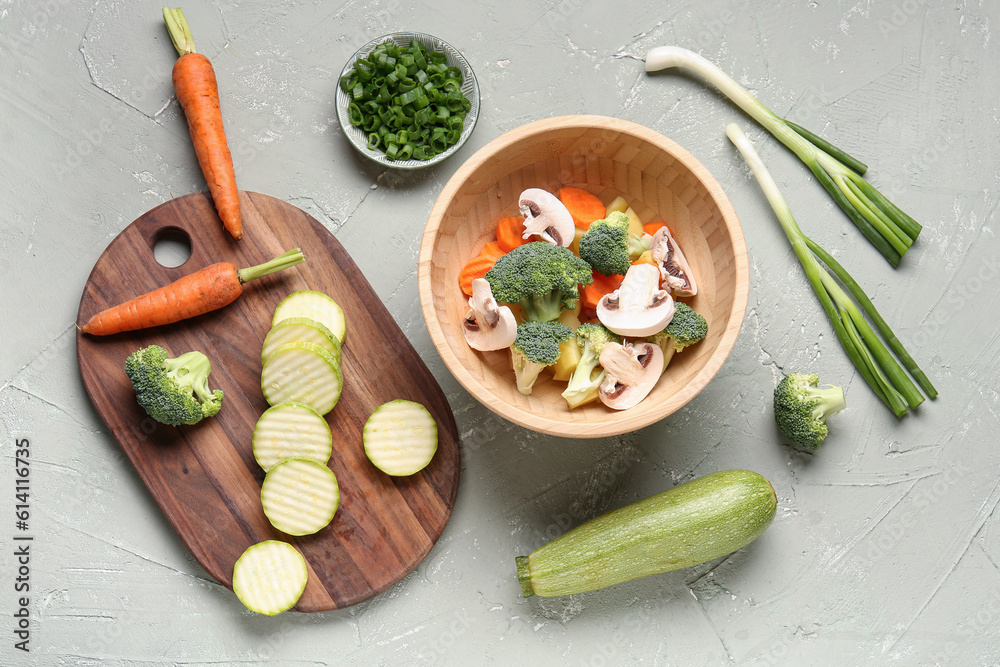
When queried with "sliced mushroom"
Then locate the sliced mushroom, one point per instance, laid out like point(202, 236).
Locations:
point(632, 372)
point(488, 326)
point(546, 216)
point(674, 269)
point(638, 307)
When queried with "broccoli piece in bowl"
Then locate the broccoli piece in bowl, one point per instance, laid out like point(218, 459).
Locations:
point(609, 247)
point(582, 386)
point(536, 346)
point(173, 391)
point(542, 277)
point(686, 328)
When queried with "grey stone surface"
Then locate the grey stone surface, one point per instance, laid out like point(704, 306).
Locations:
point(885, 549)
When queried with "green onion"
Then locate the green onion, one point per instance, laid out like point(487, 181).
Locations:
point(888, 228)
point(423, 153)
point(407, 100)
point(354, 113)
point(866, 350)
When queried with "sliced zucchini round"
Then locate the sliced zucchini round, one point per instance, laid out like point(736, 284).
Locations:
point(269, 577)
point(314, 305)
point(300, 496)
point(299, 329)
point(302, 373)
point(291, 430)
point(400, 437)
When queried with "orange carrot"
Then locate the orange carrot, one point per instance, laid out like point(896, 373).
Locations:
point(592, 293)
point(198, 94)
point(477, 267)
point(652, 227)
point(509, 233)
point(200, 292)
point(583, 206)
point(493, 249)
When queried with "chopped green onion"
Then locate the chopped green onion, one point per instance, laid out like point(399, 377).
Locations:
point(423, 153)
point(888, 228)
point(354, 113)
point(866, 350)
point(407, 100)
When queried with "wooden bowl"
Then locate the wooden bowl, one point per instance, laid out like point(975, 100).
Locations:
point(608, 157)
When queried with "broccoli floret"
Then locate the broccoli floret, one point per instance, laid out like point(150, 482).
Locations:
point(801, 408)
point(542, 277)
point(608, 246)
point(582, 387)
point(685, 328)
point(173, 391)
point(536, 346)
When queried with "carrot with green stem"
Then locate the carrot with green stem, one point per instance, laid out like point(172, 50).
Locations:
point(197, 293)
point(198, 94)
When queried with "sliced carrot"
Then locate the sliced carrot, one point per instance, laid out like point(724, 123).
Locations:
point(652, 227)
point(477, 267)
point(592, 293)
point(583, 206)
point(509, 233)
point(493, 249)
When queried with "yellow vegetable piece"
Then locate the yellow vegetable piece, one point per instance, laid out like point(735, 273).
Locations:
point(575, 245)
point(634, 223)
point(619, 204)
point(569, 357)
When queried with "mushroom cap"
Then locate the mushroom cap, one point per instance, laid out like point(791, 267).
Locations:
point(488, 326)
point(674, 268)
point(546, 216)
point(638, 307)
point(632, 371)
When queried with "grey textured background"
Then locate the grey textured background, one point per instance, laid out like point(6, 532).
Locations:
point(885, 549)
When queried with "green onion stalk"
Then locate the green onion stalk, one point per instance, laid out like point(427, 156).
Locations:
point(865, 348)
point(887, 227)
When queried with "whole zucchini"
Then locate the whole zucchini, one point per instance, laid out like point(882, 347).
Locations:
point(692, 523)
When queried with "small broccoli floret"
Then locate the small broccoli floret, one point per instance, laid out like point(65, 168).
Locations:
point(173, 391)
point(685, 328)
point(542, 277)
point(608, 246)
point(582, 387)
point(605, 245)
point(536, 346)
point(801, 408)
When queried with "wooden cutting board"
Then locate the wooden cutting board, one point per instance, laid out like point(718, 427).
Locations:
point(204, 477)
